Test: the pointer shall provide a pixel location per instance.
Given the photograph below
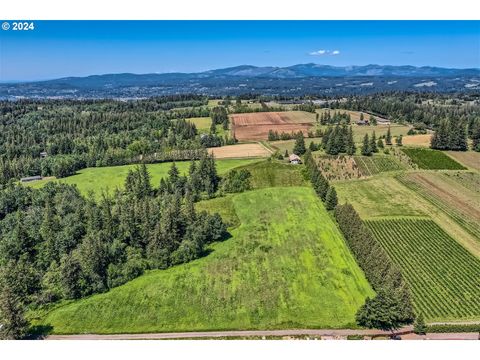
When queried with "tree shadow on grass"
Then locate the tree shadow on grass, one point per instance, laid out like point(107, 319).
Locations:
point(39, 332)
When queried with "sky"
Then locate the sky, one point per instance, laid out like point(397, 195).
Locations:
point(56, 49)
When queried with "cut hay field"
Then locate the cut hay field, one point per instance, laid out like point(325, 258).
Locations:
point(449, 194)
point(442, 275)
point(417, 140)
point(285, 266)
point(380, 130)
point(470, 159)
point(240, 151)
point(381, 196)
point(432, 159)
point(111, 177)
point(255, 126)
point(272, 173)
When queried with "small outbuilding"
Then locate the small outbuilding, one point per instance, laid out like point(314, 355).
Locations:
point(31, 178)
point(43, 154)
point(294, 159)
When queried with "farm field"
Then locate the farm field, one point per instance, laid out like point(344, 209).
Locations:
point(255, 126)
point(470, 159)
point(432, 159)
point(371, 165)
point(381, 196)
point(272, 173)
point(240, 151)
point(359, 131)
point(442, 275)
point(286, 266)
point(111, 177)
point(446, 193)
point(417, 140)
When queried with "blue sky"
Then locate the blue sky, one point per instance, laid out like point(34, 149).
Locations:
point(79, 48)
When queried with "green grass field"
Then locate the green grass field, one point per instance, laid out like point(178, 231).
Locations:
point(443, 276)
point(112, 177)
point(381, 196)
point(271, 173)
point(432, 159)
point(286, 266)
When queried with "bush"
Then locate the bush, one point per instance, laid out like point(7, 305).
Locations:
point(453, 328)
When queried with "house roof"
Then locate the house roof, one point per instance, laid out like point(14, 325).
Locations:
point(294, 157)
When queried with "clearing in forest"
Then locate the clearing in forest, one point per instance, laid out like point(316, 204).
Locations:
point(286, 266)
point(109, 178)
point(442, 275)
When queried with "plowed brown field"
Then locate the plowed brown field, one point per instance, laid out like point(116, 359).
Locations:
point(255, 126)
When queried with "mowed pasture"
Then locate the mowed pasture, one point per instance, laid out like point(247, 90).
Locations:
point(442, 275)
point(470, 159)
point(255, 126)
point(377, 197)
point(240, 151)
point(417, 140)
point(109, 178)
point(286, 266)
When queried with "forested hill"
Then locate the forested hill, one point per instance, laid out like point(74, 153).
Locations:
point(296, 80)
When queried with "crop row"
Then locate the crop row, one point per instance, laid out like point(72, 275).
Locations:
point(432, 159)
point(441, 274)
point(377, 164)
point(464, 220)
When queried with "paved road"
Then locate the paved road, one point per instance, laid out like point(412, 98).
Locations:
point(221, 334)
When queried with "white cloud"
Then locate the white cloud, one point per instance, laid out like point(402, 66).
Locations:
point(323, 52)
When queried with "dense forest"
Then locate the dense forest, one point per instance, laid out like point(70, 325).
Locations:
point(57, 244)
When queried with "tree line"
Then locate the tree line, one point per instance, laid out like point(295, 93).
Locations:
point(87, 133)
point(392, 306)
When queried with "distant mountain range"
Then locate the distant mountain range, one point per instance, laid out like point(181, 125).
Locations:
point(292, 80)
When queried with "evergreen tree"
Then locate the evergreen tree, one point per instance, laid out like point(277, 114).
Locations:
point(299, 147)
point(399, 140)
point(331, 199)
point(286, 153)
point(388, 137)
point(350, 143)
point(12, 320)
point(366, 151)
point(373, 143)
point(476, 136)
point(419, 326)
point(380, 143)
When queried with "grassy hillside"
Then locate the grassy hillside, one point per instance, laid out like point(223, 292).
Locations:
point(273, 173)
point(286, 266)
point(111, 177)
